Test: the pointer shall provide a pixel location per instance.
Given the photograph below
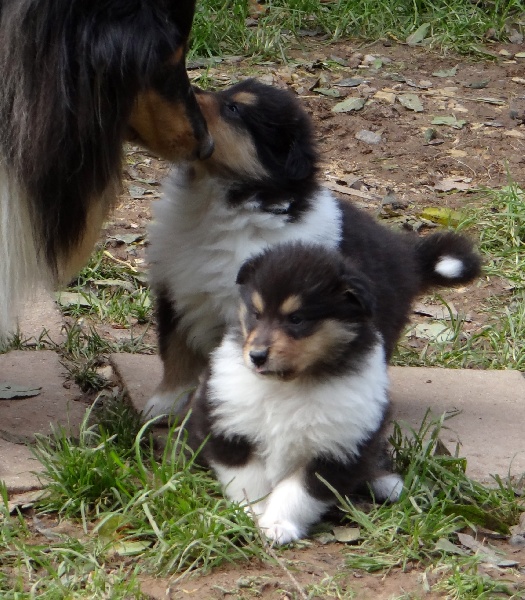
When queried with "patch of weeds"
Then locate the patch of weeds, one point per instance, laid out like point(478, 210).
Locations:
point(498, 344)
point(329, 587)
point(110, 290)
point(460, 579)
point(84, 474)
point(220, 27)
point(501, 226)
point(163, 507)
point(84, 351)
point(56, 568)
point(438, 501)
point(16, 341)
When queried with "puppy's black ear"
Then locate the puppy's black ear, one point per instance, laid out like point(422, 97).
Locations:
point(247, 269)
point(357, 290)
point(301, 159)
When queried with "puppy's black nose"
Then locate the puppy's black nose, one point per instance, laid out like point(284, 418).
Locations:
point(259, 357)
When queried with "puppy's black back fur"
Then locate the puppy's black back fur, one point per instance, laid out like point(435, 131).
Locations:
point(260, 188)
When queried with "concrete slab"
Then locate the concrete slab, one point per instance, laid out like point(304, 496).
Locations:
point(41, 316)
point(140, 375)
point(489, 428)
point(18, 467)
point(56, 404)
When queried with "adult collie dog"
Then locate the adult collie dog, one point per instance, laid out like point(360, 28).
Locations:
point(258, 189)
point(78, 77)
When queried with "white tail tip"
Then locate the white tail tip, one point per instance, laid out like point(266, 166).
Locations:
point(449, 267)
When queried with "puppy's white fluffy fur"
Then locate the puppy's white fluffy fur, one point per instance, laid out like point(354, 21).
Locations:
point(200, 244)
point(299, 420)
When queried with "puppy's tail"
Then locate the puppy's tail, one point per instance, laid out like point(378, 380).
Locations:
point(447, 259)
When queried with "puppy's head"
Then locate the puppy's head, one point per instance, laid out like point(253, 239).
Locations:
point(260, 132)
point(304, 312)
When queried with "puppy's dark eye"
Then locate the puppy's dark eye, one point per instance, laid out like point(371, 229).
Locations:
point(295, 319)
point(233, 108)
point(256, 315)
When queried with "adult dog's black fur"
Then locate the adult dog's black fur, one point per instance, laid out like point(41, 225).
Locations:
point(258, 189)
point(78, 77)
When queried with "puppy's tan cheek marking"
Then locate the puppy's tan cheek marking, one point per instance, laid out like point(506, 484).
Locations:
point(258, 302)
point(243, 313)
point(247, 347)
point(290, 305)
point(234, 148)
point(282, 352)
point(329, 338)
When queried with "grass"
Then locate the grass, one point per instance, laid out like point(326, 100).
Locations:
point(108, 289)
point(438, 502)
point(127, 499)
point(154, 503)
point(460, 25)
point(499, 225)
point(139, 508)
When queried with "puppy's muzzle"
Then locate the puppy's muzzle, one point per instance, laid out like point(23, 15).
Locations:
point(259, 356)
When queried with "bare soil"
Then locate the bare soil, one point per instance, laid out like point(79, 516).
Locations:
point(414, 164)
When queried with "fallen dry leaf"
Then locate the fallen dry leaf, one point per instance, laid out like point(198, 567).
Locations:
point(349, 105)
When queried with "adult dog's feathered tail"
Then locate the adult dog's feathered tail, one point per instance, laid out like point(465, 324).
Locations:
point(447, 259)
point(77, 78)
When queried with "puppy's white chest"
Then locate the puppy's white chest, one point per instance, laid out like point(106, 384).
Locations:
point(200, 242)
point(290, 423)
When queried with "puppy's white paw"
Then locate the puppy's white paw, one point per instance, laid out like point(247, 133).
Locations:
point(387, 487)
point(280, 532)
point(168, 404)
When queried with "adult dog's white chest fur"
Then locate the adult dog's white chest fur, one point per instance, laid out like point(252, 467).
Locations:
point(293, 422)
point(201, 242)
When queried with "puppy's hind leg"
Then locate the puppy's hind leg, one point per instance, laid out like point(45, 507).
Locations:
point(181, 365)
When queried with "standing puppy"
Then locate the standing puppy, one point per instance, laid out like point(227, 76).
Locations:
point(298, 390)
point(258, 189)
point(78, 77)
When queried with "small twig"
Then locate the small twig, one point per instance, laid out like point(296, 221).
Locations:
point(343, 189)
point(268, 547)
point(120, 262)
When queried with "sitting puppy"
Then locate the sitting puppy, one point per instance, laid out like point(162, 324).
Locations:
point(258, 189)
point(299, 389)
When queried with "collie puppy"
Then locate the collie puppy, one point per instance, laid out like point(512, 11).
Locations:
point(258, 189)
point(78, 77)
point(298, 390)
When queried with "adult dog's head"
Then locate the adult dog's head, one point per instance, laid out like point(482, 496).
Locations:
point(305, 311)
point(166, 117)
point(78, 77)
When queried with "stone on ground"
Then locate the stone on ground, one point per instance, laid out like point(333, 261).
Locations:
point(489, 427)
point(57, 404)
point(41, 317)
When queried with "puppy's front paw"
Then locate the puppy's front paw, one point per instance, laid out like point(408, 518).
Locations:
point(280, 532)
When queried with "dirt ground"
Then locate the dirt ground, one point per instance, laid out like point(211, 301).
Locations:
point(392, 160)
